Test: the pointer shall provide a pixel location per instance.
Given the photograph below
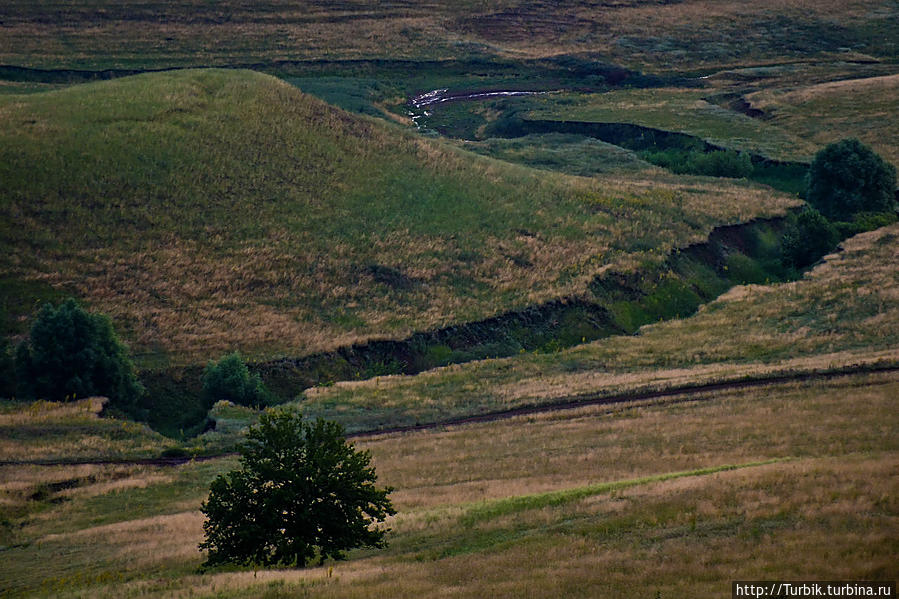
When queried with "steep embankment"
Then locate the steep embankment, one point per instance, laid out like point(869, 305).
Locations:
point(215, 210)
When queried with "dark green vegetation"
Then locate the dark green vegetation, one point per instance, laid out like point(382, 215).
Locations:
point(564, 145)
point(809, 236)
point(72, 353)
point(718, 163)
point(848, 177)
point(301, 492)
point(229, 379)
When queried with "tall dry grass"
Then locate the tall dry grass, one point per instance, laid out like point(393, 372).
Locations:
point(475, 518)
point(843, 313)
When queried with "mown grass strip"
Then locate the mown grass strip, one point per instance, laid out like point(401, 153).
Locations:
point(487, 510)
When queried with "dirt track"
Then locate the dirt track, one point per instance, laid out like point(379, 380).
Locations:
point(688, 392)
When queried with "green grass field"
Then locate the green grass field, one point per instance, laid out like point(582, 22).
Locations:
point(207, 211)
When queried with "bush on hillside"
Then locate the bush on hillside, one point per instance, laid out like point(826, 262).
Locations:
point(808, 237)
point(229, 379)
point(720, 163)
point(847, 177)
point(73, 353)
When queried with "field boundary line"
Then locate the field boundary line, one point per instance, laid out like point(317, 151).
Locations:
point(561, 404)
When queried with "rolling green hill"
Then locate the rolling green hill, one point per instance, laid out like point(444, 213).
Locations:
point(220, 209)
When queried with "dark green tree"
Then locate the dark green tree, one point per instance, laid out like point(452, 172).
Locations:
point(73, 353)
point(231, 380)
point(301, 491)
point(808, 237)
point(847, 177)
point(7, 370)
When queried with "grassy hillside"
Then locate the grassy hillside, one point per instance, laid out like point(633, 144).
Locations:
point(844, 312)
point(676, 499)
point(677, 109)
point(71, 431)
point(211, 210)
point(687, 35)
point(826, 112)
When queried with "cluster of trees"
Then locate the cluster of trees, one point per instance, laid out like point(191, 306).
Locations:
point(849, 189)
point(302, 492)
point(71, 353)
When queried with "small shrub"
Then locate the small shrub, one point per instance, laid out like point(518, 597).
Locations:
point(865, 221)
point(736, 165)
point(720, 163)
point(229, 379)
point(743, 270)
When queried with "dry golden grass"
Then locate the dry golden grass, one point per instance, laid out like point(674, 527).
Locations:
point(538, 453)
point(827, 112)
point(45, 411)
point(44, 430)
point(844, 312)
point(471, 519)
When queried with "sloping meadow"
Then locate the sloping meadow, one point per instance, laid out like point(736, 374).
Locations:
point(213, 210)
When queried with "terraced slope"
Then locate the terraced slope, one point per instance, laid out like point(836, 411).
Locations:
point(212, 210)
point(826, 112)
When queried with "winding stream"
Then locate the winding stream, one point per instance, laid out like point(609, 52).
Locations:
point(422, 101)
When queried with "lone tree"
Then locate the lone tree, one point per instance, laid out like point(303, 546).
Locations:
point(71, 352)
point(847, 177)
point(302, 491)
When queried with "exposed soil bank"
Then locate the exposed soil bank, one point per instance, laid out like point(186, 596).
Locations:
point(616, 303)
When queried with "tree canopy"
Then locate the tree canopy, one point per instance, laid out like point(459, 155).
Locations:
point(847, 177)
point(229, 379)
point(301, 491)
point(808, 237)
point(73, 353)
